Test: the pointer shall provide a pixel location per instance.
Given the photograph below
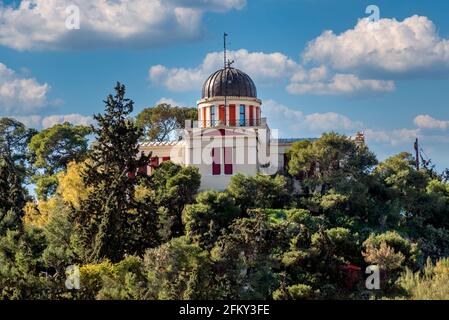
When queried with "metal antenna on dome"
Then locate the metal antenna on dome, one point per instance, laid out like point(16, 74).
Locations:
point(226, 75)
point(224, 42)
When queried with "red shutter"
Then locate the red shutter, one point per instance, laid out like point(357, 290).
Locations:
point(251, 115)
point(165, 159)
point(204, 117)
point(232, 115)
point(216, 166)
point(228, 160)
point(222, 115)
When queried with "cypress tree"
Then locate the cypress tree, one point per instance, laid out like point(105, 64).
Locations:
point(104, 222)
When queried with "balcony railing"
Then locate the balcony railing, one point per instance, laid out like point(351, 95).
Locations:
point(230, 123)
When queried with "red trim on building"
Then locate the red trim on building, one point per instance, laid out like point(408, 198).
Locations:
point(216, 163)
point(204, 117)
point(228, 160)
point(222, 114)
point(232, 115)
point(251, 115)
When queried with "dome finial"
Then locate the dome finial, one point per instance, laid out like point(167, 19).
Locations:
point(224, 44)
point(227, 63)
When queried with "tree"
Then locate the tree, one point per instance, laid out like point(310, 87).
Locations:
point(178, 270)
point(14, 139)
point(212, 213)
point(12, 195)
point(259, 191)
point(21, 267)
point(53, 149)
point(332, 161)
point(174, 187)
point(334, 177)
point(104, 220)
point(405, 187)
point(432, 283)
point(242, 257)
point(160, 122)
point(396, 242)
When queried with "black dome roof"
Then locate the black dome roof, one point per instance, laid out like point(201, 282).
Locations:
point(229, 82)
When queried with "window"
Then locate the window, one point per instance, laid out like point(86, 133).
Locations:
point(242, 114)
point(228, 160)
point(204, 118)
point(232, 115)
point(165, 159)
point(222, 114)
point(216, 166)
point(212, 115)
point(251, 115)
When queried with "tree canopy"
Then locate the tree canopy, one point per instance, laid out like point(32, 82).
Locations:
point(309, 232)
point(161, 122)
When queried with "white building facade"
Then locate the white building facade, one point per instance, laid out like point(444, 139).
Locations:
point(229, 137)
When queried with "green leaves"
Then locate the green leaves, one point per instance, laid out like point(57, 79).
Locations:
point(260, 191)
point(160, 122)
point(104, 218)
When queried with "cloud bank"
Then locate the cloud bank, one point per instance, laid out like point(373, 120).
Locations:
point(19, 94)
point(41, 24)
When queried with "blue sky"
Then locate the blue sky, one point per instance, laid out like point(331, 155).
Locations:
point(319, 65)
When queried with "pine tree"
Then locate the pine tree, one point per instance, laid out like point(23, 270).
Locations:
point(105, 219)
point(14, 138)
point(12, 196)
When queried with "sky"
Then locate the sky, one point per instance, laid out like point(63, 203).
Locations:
point(318, 65)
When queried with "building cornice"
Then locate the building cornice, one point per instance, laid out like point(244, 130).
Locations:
point(229, 98)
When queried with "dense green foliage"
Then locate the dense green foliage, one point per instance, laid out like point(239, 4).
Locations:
point(161, 122)
point(308, 233)
point(52, 150)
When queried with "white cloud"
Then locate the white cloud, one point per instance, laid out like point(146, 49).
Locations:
point(40, 24)
point(321, 81)
point(427, 122)
point(268, 68)
point(361, 60)
point(294, 122)
point(395, 47)
point(262, 67)
point(395, 137)
point(32, 121)
point(171, 102)
point(19, 94)
point(330, 121)
point(74, 118)
point(37, 121)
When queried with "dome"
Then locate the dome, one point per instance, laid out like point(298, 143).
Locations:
point(229, 82)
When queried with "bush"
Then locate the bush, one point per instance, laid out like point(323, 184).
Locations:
point(260, 191)
point(390, 246)
point(296, 292)
point(432, 283)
